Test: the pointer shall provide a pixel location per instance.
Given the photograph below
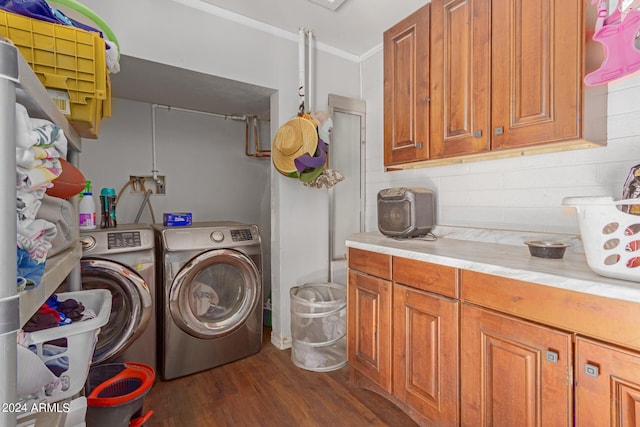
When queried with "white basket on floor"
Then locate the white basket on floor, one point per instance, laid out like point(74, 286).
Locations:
point(611, 238)
point(80, 338)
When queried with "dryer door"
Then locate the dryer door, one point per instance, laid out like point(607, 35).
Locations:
point(131, 305)
point(215, 293)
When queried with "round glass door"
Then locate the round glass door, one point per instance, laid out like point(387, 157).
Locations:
point(215, 293)
point(130, 305)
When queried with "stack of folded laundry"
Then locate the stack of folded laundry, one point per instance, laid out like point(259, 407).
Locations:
point(40, 145)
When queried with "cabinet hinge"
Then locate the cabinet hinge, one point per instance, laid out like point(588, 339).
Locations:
point(570, 376)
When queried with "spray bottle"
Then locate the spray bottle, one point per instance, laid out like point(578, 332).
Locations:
point(87, 209)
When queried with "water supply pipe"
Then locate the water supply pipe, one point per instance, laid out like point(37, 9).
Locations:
point(301, 69)
point(311, 73)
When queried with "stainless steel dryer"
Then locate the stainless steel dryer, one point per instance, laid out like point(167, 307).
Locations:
point(122, 260)
point(211, 279)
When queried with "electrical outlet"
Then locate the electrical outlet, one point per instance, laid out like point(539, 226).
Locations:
point(142, 183)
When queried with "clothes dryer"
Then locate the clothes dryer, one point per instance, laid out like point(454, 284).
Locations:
point(122, 260)
point(211, 304)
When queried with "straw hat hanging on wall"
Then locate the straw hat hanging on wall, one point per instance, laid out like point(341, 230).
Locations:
point(295, 138)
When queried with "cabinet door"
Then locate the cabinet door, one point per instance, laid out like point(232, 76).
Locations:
point(607, 385)
point(537, 68)
point(369, 327)
point(425, 354)
point(460, 77)
point(406, 89)
point(515, 372)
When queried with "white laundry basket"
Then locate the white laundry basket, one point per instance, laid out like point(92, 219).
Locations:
point(318, 326)
point(78, 342)
point(611, 237)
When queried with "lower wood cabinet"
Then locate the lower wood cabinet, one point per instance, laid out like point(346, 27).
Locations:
point(607, 385)
point(369, 327)
point(514, 372)
point(461, 348)
point(402, 338)
point(425, 354)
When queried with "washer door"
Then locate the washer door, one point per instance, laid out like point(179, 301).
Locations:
point(215, 293)
point(131, 305)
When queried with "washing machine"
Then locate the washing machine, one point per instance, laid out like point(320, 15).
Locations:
point(122, 260)
point(211, 279)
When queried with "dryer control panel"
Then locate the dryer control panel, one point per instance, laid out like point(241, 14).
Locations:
point(242, 235)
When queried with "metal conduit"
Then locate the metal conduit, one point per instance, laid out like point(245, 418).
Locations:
point(249, 122)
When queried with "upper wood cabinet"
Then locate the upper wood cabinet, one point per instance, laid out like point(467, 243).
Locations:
point(505, 78)
point(461, 77)
point(508, 74)
point(406, 89)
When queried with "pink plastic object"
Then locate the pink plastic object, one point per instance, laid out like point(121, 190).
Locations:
point(617, 33)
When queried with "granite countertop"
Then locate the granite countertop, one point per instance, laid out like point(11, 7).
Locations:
point(505, 256)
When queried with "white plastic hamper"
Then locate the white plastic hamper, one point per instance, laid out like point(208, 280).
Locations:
point(81, 338)
point(318, 326)
point(611, 238)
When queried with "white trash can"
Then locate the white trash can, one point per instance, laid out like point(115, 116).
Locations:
point(319, 326)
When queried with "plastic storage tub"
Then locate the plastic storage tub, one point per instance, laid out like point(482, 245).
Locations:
point(115, 394)
point(318, 326)
point(73, 343)
point(69, 61)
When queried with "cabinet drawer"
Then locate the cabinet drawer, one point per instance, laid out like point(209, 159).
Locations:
point(436, 278)
point(373, 263)
point(603, 318)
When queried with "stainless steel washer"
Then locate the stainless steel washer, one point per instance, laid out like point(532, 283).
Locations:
point(211, 279)
point(122, 260)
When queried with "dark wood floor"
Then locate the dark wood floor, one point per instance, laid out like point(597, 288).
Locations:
point(267, 389)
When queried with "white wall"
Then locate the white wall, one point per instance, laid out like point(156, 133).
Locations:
point(170, 33)
point(523, 193)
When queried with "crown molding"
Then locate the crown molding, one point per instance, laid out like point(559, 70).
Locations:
point(261, 26)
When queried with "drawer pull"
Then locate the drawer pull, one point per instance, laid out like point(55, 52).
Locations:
point(592, 370)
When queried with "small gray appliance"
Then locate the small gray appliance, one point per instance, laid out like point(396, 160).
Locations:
point(122, 260)
point(211, 300)
point(405, 212)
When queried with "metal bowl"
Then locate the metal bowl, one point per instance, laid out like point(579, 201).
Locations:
point(546, 249)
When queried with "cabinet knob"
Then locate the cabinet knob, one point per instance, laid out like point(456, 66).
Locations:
point(499, 130)
point(418, 144)
point(477, 134)
point(552, 356)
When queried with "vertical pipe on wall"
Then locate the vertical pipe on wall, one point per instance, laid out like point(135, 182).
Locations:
point(310, 90)
point(154, 169)
point(301, 68)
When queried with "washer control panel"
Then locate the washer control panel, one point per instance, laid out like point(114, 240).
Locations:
point(124, 239)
